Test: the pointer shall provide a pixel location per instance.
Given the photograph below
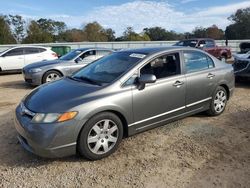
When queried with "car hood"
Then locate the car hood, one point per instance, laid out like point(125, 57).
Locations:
point(60, 96)
point(43, 63)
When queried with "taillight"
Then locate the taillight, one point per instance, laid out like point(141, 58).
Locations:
point(54, 54)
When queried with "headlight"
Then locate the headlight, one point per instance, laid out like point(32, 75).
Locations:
point(53, 117)
point(35, 70)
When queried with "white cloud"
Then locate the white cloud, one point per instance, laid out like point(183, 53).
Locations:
point(141, 14)
point(224, 10)
point(187, 1)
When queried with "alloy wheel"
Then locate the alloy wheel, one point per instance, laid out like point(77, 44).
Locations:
point(52, 77)
point(220, 101)
point(102, 137)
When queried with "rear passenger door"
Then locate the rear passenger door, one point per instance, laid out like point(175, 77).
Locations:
point(32, 55)
point(200, 78)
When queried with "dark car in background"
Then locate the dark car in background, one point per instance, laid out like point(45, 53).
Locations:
point(242, 65)
point(244, 47)
point(47, 71)
point(208, 45)
point(124, 93)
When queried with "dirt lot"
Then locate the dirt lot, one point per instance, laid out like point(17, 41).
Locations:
point(198, 151)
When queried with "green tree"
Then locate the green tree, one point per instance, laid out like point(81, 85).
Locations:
point(94, 32)
point(18, 27)
point(215, 33)
point(6, 36)
point(73, 35)
point(240, 27)
point(199, 32)
point(130, 35)
point(110, 34)
point(35, 34)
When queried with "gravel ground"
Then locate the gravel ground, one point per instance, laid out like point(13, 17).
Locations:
point(198, 151)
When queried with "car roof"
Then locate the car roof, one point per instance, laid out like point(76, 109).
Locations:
point(31, 47)
point(95, 48)
point(153, 50)
point(197, 39)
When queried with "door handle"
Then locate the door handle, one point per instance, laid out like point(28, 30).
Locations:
point(178, 83)
point(210, 75)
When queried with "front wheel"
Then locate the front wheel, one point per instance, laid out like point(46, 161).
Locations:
point(100, 136)
point(218, 102)
point(51, 76)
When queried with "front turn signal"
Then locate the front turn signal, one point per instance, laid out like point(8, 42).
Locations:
point(67, 116)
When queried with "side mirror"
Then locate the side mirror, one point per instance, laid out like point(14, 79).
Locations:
point(201, 45)
point(145, 79)
point(77, 60)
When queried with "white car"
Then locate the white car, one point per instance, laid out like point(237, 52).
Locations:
point(17, 57)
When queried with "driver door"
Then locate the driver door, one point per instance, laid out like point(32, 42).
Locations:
point(84, 59)
point(13, 59)
point(161, 100)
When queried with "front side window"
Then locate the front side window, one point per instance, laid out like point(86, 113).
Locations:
point(197, 61)
point(88, 54)
point(71, 55)
point(108, 68)
point(163, 66)
point(191, 43)
point(14, 52)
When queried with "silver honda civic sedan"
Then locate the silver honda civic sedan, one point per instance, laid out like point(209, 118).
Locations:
point(47, 71)
point(120, 95)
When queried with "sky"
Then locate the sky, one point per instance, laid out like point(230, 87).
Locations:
point(177, 15)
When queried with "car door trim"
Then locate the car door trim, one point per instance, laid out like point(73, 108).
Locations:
point(159, 115)
point(171, 111)
point(198, 102)
point(169, 118)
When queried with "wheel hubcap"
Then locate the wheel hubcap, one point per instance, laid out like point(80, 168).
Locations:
point(220, 101)
point(51, 77)
point(102, 137)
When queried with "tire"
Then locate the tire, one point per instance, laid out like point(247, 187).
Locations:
point(51, 76)
point(223, 58)
point(218, 102)
point(102, 132)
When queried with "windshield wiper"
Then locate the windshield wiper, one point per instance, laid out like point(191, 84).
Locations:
point(84, 78)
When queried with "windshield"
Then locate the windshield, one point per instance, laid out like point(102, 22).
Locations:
point(191, 43)
point(71, 55)
point(108, 68)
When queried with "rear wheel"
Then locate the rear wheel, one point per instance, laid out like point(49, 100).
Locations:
point(218, 102)
point(51, 76)
point(100, 136)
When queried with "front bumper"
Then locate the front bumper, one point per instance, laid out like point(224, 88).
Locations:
point(32, 78)
point(47, 140)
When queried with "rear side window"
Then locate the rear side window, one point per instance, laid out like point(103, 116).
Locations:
point(103, 52)
point(210, 44)
point(14, 52)
point(197, 61)
point(33, 50)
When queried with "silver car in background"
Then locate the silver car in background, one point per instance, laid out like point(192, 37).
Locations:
point(47, 71)
point(122, 94)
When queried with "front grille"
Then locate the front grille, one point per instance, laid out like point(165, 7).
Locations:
point(240, 65)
